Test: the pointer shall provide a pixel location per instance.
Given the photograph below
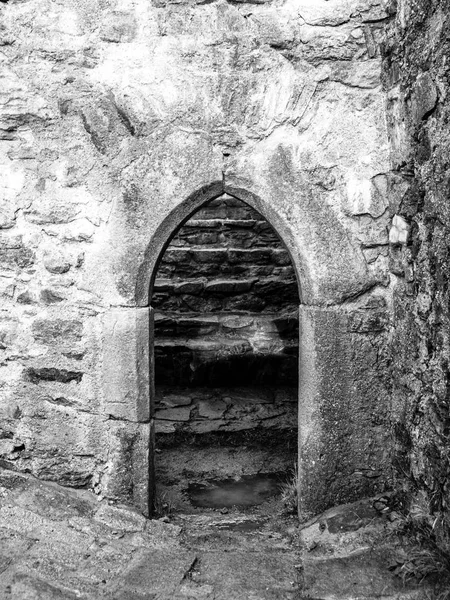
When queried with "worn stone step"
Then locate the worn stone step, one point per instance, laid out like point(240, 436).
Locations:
point(192, 270)
point(240, 233)
point(184, 254)
point(221, 346)
point(362, 575)
point(218, 293)
point(250, 326)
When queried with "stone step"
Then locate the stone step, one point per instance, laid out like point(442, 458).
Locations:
point(218, 347)
point(243, 233)
point(173, 325)
point(171, 396)
point(192, 270)
point(217, 294)
point(184, 254)
point(192, 283)
point(362, 575)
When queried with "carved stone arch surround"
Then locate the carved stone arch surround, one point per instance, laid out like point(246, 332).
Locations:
point(333, 434)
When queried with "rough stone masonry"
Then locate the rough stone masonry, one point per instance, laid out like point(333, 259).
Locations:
point(118, 120)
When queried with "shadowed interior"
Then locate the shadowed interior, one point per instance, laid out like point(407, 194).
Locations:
point(226, 351)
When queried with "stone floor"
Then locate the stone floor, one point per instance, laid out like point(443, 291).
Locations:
point(58, 544)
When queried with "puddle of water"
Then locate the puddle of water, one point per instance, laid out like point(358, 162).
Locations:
point(241, 525)
point(249, 490)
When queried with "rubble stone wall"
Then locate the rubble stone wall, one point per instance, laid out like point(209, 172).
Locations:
point(417, 76)
point(120, 118)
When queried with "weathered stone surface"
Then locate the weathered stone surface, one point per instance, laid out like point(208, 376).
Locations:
point(360, 576)
point(50, 331)
point(51, 374)
point(346, 409)
point(55, 262)
point(51, 297)
point(120, 518)
point(212, 410)
point(129, 476)
point(398, 233)
point(416, 74)
point(127, 385)
point(118, 27)
point(117, 122)
point(174, 414)
point(424, 97)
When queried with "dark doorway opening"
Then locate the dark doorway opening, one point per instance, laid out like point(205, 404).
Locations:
point(226, 362)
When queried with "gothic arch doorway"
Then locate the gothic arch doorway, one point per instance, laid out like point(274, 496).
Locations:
point(224, 392)
point(343, 444)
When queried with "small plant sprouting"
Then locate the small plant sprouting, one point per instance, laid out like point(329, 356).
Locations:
point(163, 505)
point(289, 493)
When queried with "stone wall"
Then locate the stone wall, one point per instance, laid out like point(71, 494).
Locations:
point(226, 325)
point(416, 76)
point(120, 118)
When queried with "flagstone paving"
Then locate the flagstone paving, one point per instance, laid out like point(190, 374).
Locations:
point(58, 543)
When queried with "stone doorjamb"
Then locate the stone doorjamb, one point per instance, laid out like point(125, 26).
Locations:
point(335, 443)
point(128, 384)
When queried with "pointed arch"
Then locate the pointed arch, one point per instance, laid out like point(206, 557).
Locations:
point(185, 210)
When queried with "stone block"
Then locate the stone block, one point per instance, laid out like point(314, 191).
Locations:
point(178, 256)
point(16, 258)
point(26, 297)
point(255, 256)
point(48, 296)
point(373, 232)
point(244, 302)
point(190, 287)
point(212, 409)
point(340, 392)
point(228, 286)
point(363, 575)
point(237, 322)
point(196, 238)
point(118, 27)
point(36, 375)
point(398, 233)
point(120, 519)
point(173, 400)
point(424, 97)
point(129, 478)
point(59, 331)
point(209, 255)
point(10, 242)
point(127, 377)
point(179, 413)
point(165, 427)
point(196, 326)
point(162, 580)
point(368, 197)
point(281, 257)
point(162, 285)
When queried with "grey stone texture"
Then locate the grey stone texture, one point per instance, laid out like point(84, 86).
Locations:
point(60, 544)
point(416, 75)
point(117, 122)
point(226, 325)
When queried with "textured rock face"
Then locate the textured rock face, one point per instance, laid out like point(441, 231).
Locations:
point(117, 120)
point(416, 74)
point(226, 326)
